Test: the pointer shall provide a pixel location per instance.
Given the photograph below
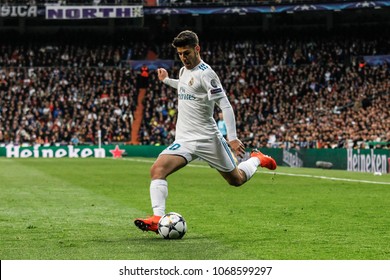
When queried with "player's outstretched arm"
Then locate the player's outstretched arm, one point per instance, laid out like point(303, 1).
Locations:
point(164, 77)
point(162, 74)
point(228, 114)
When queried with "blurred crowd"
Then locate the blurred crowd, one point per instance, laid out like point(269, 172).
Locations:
point(302, 93)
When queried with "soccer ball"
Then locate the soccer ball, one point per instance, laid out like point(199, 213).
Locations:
point(172, 226)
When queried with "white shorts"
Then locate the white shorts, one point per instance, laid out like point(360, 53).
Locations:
point(215, 152)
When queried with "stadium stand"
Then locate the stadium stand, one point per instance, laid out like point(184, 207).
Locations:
point(296, 93)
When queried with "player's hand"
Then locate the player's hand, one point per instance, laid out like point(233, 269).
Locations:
point(237, 147)
point(162, 74)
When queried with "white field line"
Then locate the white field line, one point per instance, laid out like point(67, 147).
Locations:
point(281, 173)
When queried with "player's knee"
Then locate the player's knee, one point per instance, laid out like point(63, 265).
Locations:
point(236, 182)
point(153, 171)
point(157, 172)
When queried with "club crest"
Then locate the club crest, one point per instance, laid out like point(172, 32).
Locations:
point(191, 82)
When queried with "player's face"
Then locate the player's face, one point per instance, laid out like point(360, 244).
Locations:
point(189, 56)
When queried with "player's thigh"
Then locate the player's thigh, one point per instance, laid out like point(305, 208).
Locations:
point(174, 157)
point(217, 154)
point(165, 165)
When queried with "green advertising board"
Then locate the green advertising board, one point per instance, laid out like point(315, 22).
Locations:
point(358, 160)
point(80, 151)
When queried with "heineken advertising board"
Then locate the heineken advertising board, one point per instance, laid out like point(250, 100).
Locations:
point(117, 151)
point(358, 160)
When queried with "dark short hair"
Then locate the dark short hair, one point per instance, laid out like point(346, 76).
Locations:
point(186, 38)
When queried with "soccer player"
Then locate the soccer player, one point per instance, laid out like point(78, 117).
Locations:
point(197, 136)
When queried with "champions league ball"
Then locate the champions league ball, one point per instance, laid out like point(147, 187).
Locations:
point(172, 226)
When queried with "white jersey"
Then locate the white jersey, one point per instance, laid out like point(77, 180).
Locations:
point(197, 89)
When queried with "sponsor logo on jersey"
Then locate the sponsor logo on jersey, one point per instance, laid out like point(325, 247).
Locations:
point(185, 96)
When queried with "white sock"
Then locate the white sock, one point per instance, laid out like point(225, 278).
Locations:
point(249, 166)
point(158, 196)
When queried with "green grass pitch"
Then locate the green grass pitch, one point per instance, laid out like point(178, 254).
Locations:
point(77, 209)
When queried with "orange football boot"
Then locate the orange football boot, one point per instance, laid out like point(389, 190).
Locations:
point(265, 161)
point(148, 224)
